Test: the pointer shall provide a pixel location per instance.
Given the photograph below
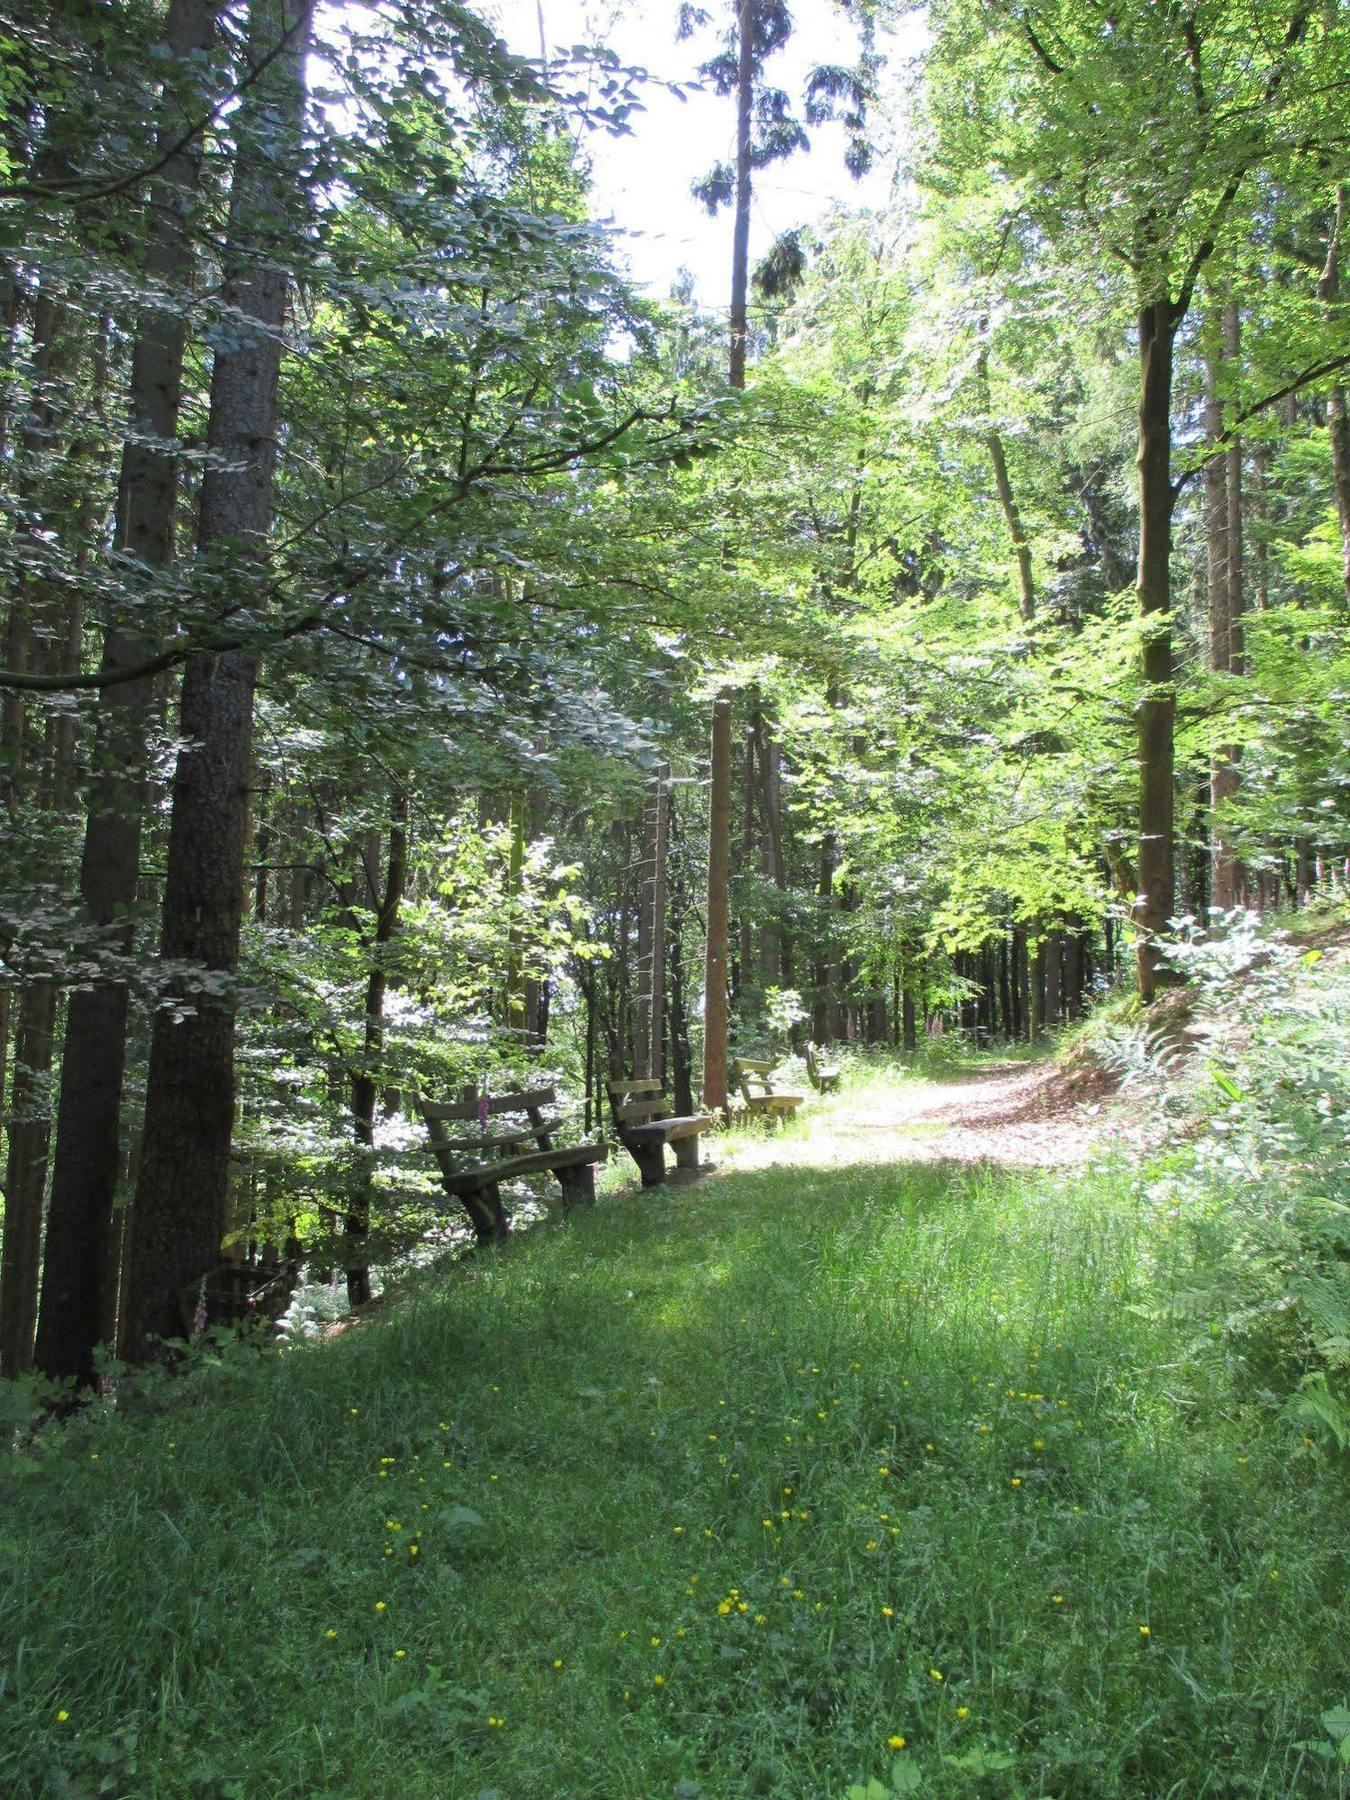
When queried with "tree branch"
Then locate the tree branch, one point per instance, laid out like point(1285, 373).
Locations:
point(1219, 444)
point(1054, 67)
point(27, 191)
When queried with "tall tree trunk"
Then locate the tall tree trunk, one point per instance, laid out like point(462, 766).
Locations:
point(81, 1241)
point(778, 959)
point(184, 1171)
point(740, 235)
point(1054, 986)
point(1005, 988)
point(26, 1174)
point(1012, 516)
point(78, 497)
point(1071, 987)
point(55, 497)
point(650, 1058)
point(748, 973)
point(719, 922)
point(1158, 321)
point(1223, 545)
point(1338, 403)
point(515, 887)
point(681, 1054)
point(619, 983)
point(715, 1016)
point(366, 1081)
point(823, 973)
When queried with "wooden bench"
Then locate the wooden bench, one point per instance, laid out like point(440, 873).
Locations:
point(645, 1124)
point(824, 1077)
point(474, 1165)
point(762, 1100)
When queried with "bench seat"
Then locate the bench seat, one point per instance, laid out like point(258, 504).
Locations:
point(575, 1156)
point(670, 1131)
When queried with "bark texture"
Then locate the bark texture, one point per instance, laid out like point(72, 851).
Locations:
point(1156, 721)
point(1338, 404)
point(719, 921)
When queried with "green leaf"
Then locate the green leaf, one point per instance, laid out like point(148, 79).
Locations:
point(1227, 1084)
point(905, 1776)
point(460, 1519)
point(1315, 1747)
point(982, 1762)
point(1336, 1723)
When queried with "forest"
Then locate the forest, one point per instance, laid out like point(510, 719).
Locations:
point(443, 682)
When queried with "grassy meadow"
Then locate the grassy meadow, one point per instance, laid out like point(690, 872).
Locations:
point(795, 1478)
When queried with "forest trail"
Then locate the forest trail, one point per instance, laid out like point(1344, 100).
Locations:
point(1010, 1114)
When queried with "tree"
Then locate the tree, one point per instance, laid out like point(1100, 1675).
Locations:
point(75, 1312)
point(179, 1210)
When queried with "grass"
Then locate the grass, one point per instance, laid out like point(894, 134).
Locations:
point(712, 1493)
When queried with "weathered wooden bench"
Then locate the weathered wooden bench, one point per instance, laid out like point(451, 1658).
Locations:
point(762, 1100)
point(474, 1165)
point(824, 1077)
point(645, 1124)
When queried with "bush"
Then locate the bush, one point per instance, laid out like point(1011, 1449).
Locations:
point(1257, 1167)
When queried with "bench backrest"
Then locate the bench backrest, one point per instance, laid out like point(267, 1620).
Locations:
point(637, 1100)
point(492, 1127)
point(752, 1076)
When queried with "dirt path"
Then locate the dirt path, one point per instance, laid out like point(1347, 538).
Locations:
point(1008, 1114)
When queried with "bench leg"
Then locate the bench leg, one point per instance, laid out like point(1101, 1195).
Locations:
point(686, 1152)
point(578, 1185)
point(651, 1162)
point(486, 1213)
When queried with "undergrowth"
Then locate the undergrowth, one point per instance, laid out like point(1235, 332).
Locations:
point(1249, 1085)
point(794, 1479)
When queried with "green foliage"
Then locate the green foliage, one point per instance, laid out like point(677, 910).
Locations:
point(1254, 1193)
